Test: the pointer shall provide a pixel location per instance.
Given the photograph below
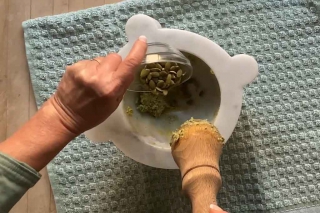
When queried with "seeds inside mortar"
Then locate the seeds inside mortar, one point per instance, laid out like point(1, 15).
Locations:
point(160, 77)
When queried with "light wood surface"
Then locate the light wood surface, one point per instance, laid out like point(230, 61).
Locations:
point(17, 103)
point(197, 153)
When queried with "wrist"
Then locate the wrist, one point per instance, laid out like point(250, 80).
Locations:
point(54, 122)
point(40, 139)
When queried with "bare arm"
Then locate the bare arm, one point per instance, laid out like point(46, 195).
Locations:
point(87, 95)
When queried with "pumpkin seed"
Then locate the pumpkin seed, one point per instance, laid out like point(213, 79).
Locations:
point(158, 66)
point(174, 68)
point(163, 64)
point(152, 85)
point(164, 92)
point(172, 82)
point(150, 66)
point(160, 84)
point(167, 66)
point(156, 70)
point(179, 73)
point(155, 74)
point(154, 92)
point(168, 80)
point(149, 76)
point(173, 72)
point(144, 73)
point(163, 73)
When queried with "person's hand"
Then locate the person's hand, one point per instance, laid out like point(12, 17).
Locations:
point(91, 90)
point(216, 209)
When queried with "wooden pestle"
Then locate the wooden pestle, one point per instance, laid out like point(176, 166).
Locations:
point(196, 148)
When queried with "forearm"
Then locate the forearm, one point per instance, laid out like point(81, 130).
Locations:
point(39, 140)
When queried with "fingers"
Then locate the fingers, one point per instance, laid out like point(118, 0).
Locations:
point(216, 209)
point(111, 62)
point(125, 71)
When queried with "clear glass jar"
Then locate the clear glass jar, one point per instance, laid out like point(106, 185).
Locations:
point(157, 53)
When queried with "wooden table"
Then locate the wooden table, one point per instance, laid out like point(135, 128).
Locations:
point(17, 103)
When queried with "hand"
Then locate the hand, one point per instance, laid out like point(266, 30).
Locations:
point(216, 209)
point(91, 90)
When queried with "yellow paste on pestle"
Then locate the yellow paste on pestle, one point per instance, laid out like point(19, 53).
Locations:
point(180, 132)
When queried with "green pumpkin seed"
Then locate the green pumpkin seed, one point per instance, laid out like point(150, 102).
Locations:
point(158, 66)
point(167, 66)
point(168, 80)
point(174, 68)
point(163, 73)
point(163, 64)
point(172, 82)
point(152, 85)
point(150, 66)
point(164, 92)
point(149, 76)
point(144, 73)
point(160, 84)
point(179, 73)
point(155, 80)
point(154, 92)
point(156, 70)
point(155, 74)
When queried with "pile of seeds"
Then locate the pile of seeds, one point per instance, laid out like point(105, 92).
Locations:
point(160, 77)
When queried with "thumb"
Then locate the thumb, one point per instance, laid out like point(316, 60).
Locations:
point(125, 71)
point(216, 209)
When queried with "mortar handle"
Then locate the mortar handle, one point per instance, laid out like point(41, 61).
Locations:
point(197, 153)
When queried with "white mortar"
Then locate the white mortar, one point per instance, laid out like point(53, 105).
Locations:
point(146, 139)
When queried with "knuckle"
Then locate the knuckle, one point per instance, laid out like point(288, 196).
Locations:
point(92, 81)
point(131, 62)
point(115, 56)
point(114, 89)
point(75, 68)
point(80, 75)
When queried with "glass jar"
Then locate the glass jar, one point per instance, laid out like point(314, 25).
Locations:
point(162, 53)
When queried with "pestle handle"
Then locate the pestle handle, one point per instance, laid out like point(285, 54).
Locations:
point(196, 151)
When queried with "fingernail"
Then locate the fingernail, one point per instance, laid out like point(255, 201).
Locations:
point(143, 38)
point(217, 208)
point(214, 207)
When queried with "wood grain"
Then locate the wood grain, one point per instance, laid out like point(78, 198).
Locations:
point(93, 3)
point(17, 103)
point(60, 6)
point(4, 5)
point(41, 191)
point(17, 76)
point(75, 5)
point(112, 1)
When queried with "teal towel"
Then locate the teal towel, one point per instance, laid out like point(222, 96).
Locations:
point(270, 164)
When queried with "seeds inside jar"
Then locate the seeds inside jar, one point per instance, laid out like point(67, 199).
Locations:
point(160, 77)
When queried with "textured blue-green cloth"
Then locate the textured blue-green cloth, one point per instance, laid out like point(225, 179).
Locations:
point(271, 162)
